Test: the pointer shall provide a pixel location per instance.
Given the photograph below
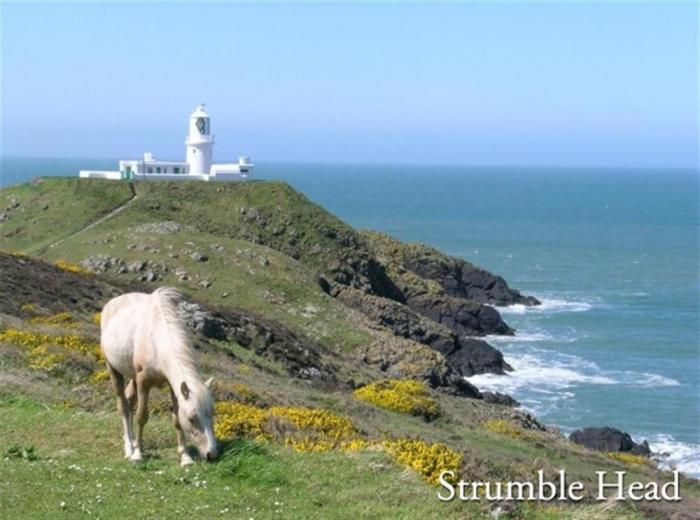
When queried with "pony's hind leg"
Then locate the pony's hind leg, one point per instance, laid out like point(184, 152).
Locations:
point(142, 389)
point(185, 459)
point(124, 408)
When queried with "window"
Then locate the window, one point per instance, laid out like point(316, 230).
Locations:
point(176, 169)
point(150, 170)
point(158, 169)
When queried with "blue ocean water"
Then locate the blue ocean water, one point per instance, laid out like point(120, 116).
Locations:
point(612, 254)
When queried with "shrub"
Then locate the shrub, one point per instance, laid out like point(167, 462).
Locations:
point(429, 460)
point(303, 429)
point(400, 395)
point(628, 458)
point(240, 420)
point(62, 318)
point(37, 346)
point(322, 423)
point(99, 375)
point(238, 392)
point(28, 307)
point(71, 267)
point(504, 427)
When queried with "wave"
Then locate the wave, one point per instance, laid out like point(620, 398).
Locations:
point(525, 337)
point(548, 306)
point(534, 335)
point(673, 454)
point(543, 378)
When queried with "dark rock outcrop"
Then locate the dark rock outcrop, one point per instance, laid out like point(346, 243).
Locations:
point(499, 398)
point(302, 357)
point(454, 276)
point(401, 358)
point(463, 317)
point(463, 280)
point(465, 356)
point(609, 439)
point(475, 356)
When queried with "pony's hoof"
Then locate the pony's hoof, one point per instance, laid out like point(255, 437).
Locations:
point(186, 460)
point(136, 457)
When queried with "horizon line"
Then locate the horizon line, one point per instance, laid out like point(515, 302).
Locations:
point(695, 168)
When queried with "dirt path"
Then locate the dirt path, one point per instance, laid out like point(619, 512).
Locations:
point(97, 222)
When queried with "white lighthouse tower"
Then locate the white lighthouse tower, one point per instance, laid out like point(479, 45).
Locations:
point(199, 143)
point(197, 166)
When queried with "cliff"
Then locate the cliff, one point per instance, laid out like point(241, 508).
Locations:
point(288, 307)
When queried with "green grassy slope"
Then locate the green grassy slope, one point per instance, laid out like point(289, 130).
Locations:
point(66, 414)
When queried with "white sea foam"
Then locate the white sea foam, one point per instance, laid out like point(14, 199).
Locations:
point(673, 454)
point(548, 305)
point(521, 337)
point(543, 378)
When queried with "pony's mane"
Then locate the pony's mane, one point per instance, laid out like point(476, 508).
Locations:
point(181, 344)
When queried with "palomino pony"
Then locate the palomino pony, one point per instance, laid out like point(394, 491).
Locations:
point(145, 342)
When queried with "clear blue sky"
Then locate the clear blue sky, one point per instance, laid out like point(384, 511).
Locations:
point(502, 84)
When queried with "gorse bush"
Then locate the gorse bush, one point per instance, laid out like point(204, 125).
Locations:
point(628, 458)
point(237, 392)
point(28, 307)
point(304, 429)
point(400, 395)
point(47, 351)
point(429, 460)
point(504, 427)
point(62, 318)
point(240, 420)
point(71, 267)
point(321, 422)
point(315, 430)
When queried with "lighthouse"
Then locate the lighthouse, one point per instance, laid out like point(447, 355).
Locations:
point(199, 142)
point(198, 165)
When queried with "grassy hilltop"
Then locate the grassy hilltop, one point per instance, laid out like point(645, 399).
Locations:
point(338, 356)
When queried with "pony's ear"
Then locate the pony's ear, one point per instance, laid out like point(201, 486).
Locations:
point(208, 382)
point(185, 390)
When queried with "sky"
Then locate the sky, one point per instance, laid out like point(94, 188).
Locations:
point(530, 84)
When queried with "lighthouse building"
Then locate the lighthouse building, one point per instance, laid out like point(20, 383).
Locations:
point(198, 163)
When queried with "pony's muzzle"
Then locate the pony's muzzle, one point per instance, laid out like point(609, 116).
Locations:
point(212, 455)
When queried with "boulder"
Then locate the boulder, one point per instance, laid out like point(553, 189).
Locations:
point(474, 356)
point(499, 398)
point(463, 317)
point(609, 439)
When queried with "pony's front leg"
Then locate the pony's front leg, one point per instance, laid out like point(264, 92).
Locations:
point(124, 409)
point(142, 389)
point(185, 459)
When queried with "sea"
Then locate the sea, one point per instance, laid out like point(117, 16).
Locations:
point(612, 254)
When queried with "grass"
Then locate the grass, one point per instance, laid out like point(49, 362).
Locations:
point(242, 274)
point(266, 245)
point(55, 208)
point(79, 471)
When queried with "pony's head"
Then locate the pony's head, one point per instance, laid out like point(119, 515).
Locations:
point(195, 413)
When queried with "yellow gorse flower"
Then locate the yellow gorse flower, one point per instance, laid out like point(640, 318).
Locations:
point(71, 267)
point(320, 430)
point(400, 395)
point(313, 429)
point(628, 458)
point(504, 427)
point(37, 346)
point(429, 460)
point(62, 318)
